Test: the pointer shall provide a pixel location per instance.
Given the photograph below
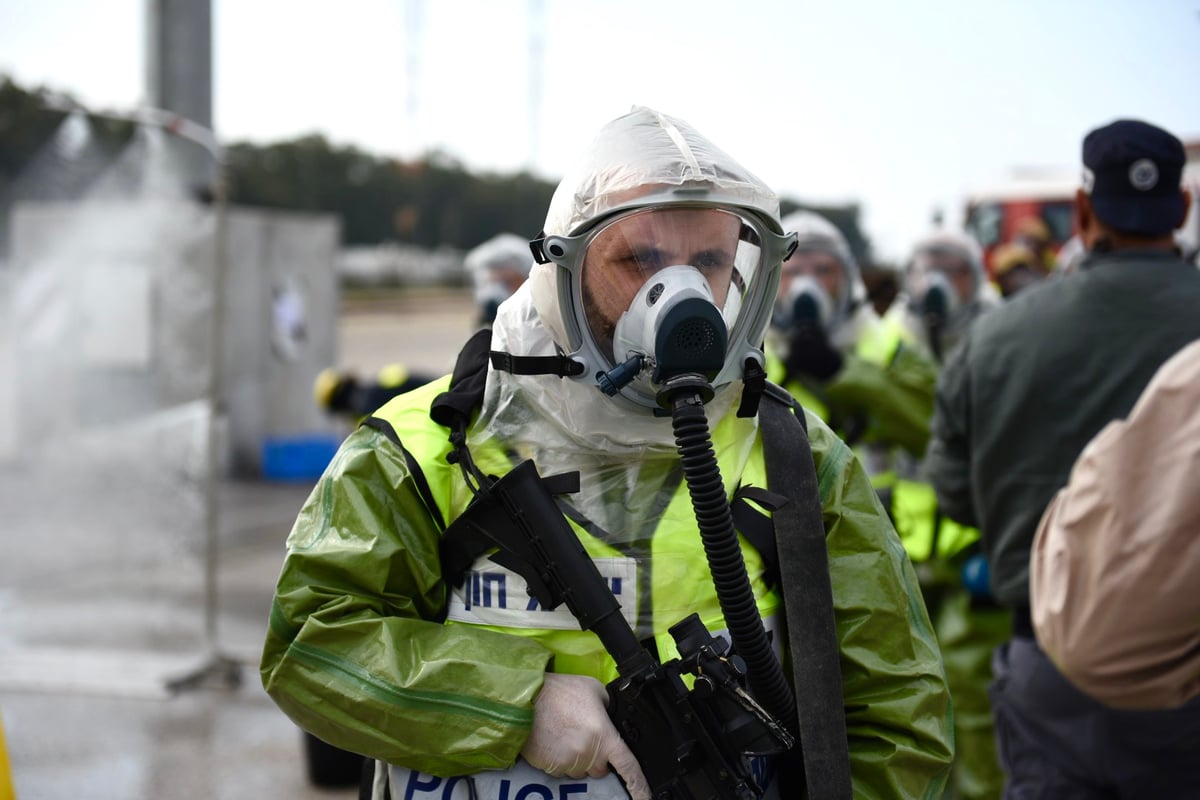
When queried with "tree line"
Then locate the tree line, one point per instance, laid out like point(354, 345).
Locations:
point(430, 201)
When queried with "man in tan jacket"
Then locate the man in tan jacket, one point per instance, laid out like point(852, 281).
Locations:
point(1114, 562)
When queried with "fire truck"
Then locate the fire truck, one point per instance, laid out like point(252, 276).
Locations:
point(993, 215)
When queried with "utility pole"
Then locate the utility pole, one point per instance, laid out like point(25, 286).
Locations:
point(179, 75)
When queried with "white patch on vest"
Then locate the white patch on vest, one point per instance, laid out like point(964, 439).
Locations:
point(493, 595)
point(523, 782)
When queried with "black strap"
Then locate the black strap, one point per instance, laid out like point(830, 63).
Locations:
point(559, 364)
point(757, 527)
point(808, 605)
point(754, 381)
point(453, 408)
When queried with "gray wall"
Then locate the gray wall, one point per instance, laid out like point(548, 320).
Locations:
point(109, 317)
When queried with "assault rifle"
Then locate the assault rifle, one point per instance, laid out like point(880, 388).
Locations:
point(692, 744)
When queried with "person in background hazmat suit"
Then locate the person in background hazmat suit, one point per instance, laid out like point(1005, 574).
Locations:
point(946, 290)
point(497, 268)
point(832, 352)
point(465, 688)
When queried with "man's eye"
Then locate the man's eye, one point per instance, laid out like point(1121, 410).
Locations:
point(709, 260)
point(649, 259)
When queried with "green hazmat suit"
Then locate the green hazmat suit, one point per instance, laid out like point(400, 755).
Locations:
point(372, 647)
point(356, 653)
point(883, 398)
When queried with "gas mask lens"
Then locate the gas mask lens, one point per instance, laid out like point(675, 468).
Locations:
point(706, 256)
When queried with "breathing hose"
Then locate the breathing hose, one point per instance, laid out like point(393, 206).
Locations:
point(686, 396)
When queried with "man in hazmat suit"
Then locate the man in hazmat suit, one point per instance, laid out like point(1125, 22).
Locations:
point(946, 289)
point(873, 382)
point(946, 292)
point(658, 266)
point(828, 347)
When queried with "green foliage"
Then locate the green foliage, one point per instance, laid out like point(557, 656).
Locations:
point(430, 202)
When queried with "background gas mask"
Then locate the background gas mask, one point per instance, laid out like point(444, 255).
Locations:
point(488, 297)
point(805, 303)
point(940, 301)
point(944, 282)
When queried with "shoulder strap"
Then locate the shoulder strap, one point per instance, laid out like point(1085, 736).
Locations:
point(807, 599)
point(453, 408)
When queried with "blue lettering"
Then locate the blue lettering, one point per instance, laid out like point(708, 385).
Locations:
point(415, 784)
point(504, 784)
point(501, 591)
point(533, 603)
point(616, 585)
point(565, 790)
point(542, 792)
point(472, 594)
point(448, 792)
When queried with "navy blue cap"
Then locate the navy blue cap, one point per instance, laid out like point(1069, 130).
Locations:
point(1132, 171)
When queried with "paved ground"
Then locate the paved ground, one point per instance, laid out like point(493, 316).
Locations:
point(99, 616)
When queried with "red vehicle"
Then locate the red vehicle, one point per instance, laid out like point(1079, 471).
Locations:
point(998, 214)
point(995, 215)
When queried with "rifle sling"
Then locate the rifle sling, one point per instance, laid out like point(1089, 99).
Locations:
point(808, 605)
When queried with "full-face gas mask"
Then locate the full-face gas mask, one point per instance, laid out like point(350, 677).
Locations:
point(944, 279)
point(805, 303)
point(805, 300)
point(949, 264)
point(663, 290)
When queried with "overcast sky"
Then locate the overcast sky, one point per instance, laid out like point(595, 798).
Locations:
point(902, 106)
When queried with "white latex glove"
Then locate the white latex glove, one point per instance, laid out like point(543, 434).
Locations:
point(573, 736)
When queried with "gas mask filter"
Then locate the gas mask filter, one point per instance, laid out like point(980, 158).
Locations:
point(940, 300)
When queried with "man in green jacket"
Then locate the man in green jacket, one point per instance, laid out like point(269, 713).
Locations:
point(657, 270)
point(1027, 389)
